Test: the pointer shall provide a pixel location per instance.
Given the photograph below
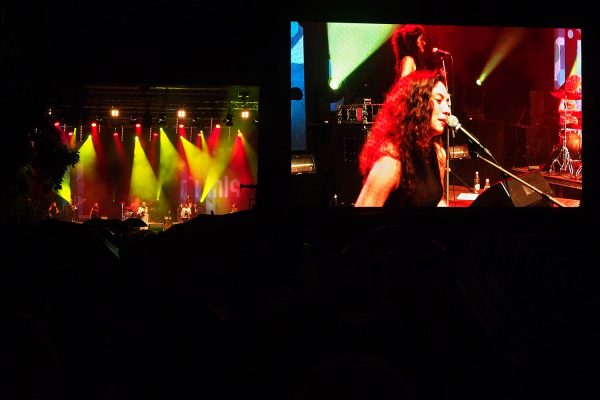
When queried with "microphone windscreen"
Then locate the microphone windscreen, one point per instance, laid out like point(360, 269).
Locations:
point(452, 121)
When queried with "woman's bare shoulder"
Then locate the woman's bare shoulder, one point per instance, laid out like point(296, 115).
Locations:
point(383, 178)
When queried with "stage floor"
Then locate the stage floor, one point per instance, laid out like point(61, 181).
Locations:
point(461, 196)
point(562, 184)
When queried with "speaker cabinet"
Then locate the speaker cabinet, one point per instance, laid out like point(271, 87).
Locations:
point(528, 145)
point(512, 193)
point(346, 144)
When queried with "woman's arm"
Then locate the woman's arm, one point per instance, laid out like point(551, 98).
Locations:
point(382, 179)
point(407, 66)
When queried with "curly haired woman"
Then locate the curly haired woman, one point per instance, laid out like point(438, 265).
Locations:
point(403, 160)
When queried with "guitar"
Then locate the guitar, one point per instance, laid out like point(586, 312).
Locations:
point(75, 204)
point(141, 212)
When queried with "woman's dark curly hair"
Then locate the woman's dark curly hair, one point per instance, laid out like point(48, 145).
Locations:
point(402, 127)
point(404, 43)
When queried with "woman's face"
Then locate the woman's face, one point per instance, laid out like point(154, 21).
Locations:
point(421, 43)
point(441, 109)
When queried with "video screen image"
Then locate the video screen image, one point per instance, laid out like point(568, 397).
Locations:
point(411, 115)
point(161, 154)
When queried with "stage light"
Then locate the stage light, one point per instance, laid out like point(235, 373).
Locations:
point(162, 119)
point(94, 124)
point(228, 121)
point(114, 112)
point(137, 122)
point(335, 83)
point(245, 114)
point(303, 163)
point(218, 126)
point(57, 124)
point(239, 133)
point(181, 113)
point(180, 126)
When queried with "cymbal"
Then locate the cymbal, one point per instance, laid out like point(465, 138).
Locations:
point(563, 94)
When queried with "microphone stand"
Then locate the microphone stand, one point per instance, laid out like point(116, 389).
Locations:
point(447, 135)
point(497, 166)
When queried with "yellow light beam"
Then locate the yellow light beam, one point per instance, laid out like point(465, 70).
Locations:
point(505, 43)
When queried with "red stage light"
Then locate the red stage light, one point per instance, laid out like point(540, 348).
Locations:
point(93, 124)
point(138, 125)
point(57, 124)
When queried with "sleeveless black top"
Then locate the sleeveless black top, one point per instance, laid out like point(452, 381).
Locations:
point(428, 186)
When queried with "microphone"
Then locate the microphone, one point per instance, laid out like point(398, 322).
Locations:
point(453, 123)
point(435, 50)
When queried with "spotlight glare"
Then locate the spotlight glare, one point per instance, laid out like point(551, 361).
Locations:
point(57, 124)
point(334, 84)
point(478, 82)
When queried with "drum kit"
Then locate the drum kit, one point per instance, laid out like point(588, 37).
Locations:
point(132, 212)
point(364, 113)
point(568, 151)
